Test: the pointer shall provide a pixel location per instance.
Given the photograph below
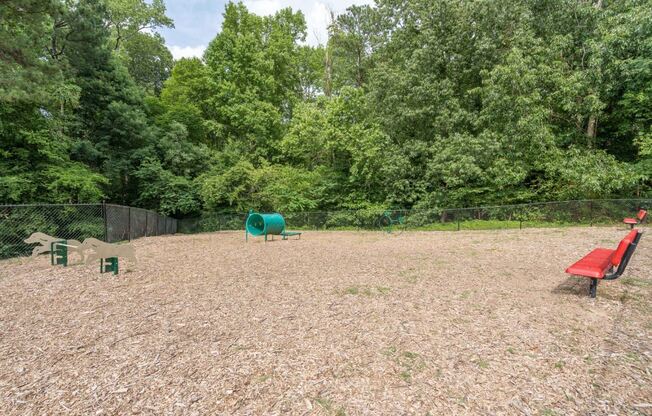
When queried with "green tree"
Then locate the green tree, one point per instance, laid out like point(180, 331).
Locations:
point(269, 188)
point(128, 18)
point(410, 103)
point(350, 43)
point(26, 69)
point(311, 71)
point(110, 124)
point(35, 103)
point(336, 133)
point(185, 97)
point(148, 60)
point(625, 51)
point(132, 24)
point(481, 98)
point(252, 65)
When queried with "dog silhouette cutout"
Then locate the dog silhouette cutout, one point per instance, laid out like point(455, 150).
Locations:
point(45, 241)
point(101, 250)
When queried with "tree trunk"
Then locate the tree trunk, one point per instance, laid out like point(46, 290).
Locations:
point(328, 73)
point(592, 127)
point(591, 130)
point(328, 61)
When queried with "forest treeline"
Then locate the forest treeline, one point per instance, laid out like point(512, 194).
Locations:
point(409, 103)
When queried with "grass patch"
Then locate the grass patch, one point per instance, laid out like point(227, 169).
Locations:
point(367, 291)
point(406, 376)
point(471, 225)
point(468, 225)
point(488, 225)
point(465, 295)
point(412, 279)
point(636, 282)
point(329, 406)
point(410, 362)
point(262, 378)
point(353, 290)
point(334, 228)
point(410, 275)
point(391, 350)
point(446, 226)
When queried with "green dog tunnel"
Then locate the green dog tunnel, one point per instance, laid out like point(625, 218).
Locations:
point(267, 224)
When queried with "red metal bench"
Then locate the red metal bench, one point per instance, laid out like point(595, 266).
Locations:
point(600, 263)
point(640, 217)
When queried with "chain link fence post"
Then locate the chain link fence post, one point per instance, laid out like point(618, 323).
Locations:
point(129, 224)
point(106, 224)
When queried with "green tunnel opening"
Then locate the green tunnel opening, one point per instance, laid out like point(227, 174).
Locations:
point(260, 224)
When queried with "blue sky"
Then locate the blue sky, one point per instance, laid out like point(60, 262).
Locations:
point(198, 21)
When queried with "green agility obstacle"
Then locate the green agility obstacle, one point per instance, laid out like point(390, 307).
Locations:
point(267, 224)
point(389, 219)
point(59, 253)
point(109, 265)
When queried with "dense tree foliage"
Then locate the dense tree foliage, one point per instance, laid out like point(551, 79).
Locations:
point(410, 103)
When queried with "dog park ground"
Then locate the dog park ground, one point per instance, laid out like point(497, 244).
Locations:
point(440, 323)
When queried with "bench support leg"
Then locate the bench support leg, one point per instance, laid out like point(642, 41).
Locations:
point(593, 288)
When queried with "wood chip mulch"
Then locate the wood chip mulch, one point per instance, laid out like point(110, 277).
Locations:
point(336, 323)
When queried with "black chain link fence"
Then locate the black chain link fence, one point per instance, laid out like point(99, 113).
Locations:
point(546, 214)
point(106, 222)
point(114, 223)
point(212, 222)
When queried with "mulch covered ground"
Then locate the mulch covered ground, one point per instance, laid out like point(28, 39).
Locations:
point(482, 322)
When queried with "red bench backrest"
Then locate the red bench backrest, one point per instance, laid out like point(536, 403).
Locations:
point(641, 215)
point(622, 247)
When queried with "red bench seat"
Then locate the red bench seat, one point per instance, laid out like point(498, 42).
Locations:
point(640, 217)
point(595, 264)
point(599, 263)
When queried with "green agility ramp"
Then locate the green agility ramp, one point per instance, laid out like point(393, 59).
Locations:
point(267, 224)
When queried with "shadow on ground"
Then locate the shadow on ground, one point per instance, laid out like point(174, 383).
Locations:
point(573, 286)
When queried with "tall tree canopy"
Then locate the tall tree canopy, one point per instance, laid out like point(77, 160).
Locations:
point(409, 103)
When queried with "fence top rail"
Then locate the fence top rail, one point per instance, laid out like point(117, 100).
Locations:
point(47, 205)
point(525, 204)
point(95, 205)
point(442, 210)
point(137, 209)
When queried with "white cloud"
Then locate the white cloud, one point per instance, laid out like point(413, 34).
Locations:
point(317, 13)
point(187, 51)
